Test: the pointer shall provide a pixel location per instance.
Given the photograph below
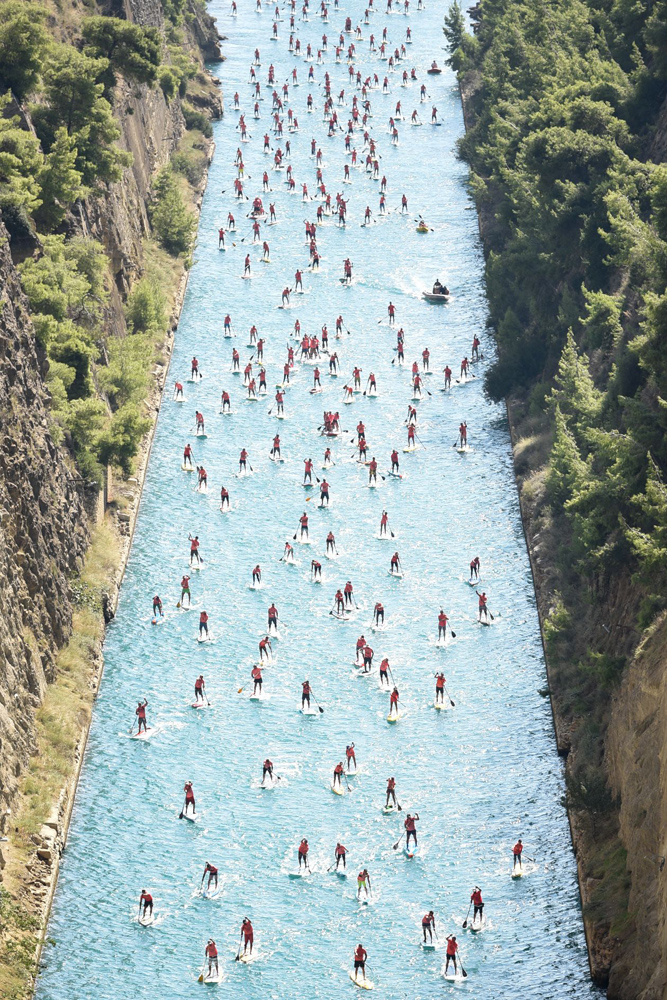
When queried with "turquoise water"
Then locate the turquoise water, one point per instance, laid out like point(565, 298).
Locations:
point(479, 775)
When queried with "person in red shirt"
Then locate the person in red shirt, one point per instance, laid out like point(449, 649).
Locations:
point(256, 674)
point(384, 522)
point(361, 642)
point(257, 576)
point(411, 436)
point(475, 568)
point(478, 904)
point(428, 924)
point(384, 679)
point(338, 774)
point(194, 549)
point(248, 935)
point(145, 901)
point(199, 689)
point(378, 613)
point(140, 713)
point(185, 589)
point(393, 703)
point(203, 624)
point(340, 853)
point(410, 828)
point(303, 522)
point(360, 956)
point(394, 461)
point(308, 470)
point(316, 570)
point(305, 695)
point(275, 451)
point(442, 625)
point(267, 768)
point(463, 433)
point(440, 689)
point(482, 609)
point(157, 608)
point(391, 792)
point(212, 873)
point(349, 753)
point(348, 590)
point(517, 851)
point(264, 649)
point(391, 311)
point(243, 461)
point(395, 563)
point(178, 391)
point(189, 797)
point(211, 953)
point(475, 348)
point(373, 471)
point(324, 496)
point(448, 377)
point(426, 354)
point(273, 617)
point(303, 854)
point(187, 456)
point(452, 948)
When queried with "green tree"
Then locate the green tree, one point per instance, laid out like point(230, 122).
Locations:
point(146, 308)
point(59, 180)
point(567, 469)
point(454, 29)
point(174, 223)
point(129, 49)
point(66, 281)
point(23, 40)
point(73, 100)
point(120, 443)
point(575, 392)
point(20, 162)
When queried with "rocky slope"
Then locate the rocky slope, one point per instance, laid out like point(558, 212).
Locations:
point(43, 533)
point(46, 510)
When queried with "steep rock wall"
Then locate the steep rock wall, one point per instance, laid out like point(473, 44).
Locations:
point(43, 533)
point(636, 750)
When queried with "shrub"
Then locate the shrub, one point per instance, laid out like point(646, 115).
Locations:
point(23, 41)
point(174, 223)
point(169, 81)
point(146, 308)
point(120, 443)
point(197, 120)
point(191, 164)
point(129, 49)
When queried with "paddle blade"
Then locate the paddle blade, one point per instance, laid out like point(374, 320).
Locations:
point(453, 634)
point(465, 924)
point(464, 973)
point(396, 845)
point(201, 977)
point(321, 711)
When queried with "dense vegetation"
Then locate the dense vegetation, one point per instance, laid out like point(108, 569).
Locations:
point(563, 144)
point(67, 91)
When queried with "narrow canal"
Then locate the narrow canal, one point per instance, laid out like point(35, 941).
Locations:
point(479, 775)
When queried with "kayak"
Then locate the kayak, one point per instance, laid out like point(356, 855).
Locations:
point(435, 297)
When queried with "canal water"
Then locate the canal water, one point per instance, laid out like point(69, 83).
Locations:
point(479, 775)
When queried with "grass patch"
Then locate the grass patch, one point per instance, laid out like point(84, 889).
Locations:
point(59, 723)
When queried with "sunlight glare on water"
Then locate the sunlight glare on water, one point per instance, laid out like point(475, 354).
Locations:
point(479, 775)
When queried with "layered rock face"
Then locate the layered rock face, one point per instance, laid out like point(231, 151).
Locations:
point(43, 533)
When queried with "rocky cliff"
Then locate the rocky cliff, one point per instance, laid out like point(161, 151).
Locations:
point(46, 510)
point(43, 533)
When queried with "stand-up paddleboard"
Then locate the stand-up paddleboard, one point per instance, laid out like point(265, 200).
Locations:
point(453, 977)
point(299, 874)
point(267, 785)
point(517, 873)
point(190, 816)
point(214, 979)
point(464, 451)
point(310, 713)
point(337, 789)
point(145, 734)
point(391, 808)
point(441, 705)
point(249, 957)
point(185, 467)
point(478, 927)
point(211, 893)
point(475, 583)
point(411, 447)
point(361, 982)
point(199, 704)
point(341, 873)
point(409, 851)
point(147, 919)
point(430, 945)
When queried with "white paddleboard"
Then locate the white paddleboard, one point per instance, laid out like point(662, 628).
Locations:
point(364, 984)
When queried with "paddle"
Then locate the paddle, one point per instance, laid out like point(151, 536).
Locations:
point(465, 922)
point(183, 809)
point(398, 841)
point(203, 970)
point(238, 953)
point(450, 700)
point(317, 703)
